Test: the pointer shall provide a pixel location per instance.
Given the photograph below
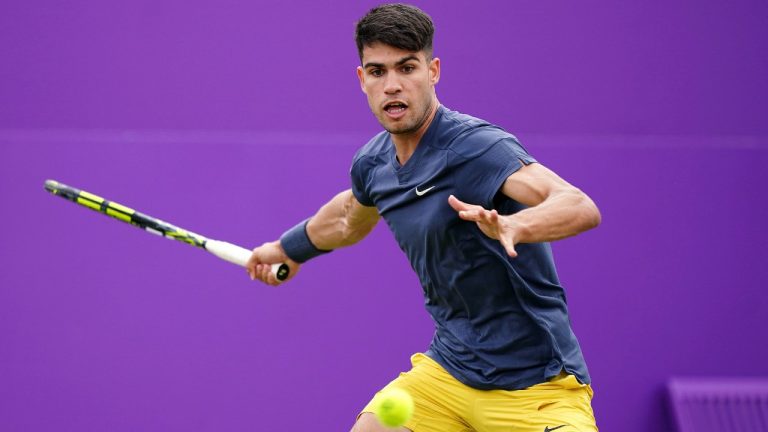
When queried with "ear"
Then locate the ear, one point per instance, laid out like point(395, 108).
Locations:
point(434, 71)
point(361, 78)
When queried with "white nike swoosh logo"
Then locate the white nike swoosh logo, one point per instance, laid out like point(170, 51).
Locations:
point(420, 193)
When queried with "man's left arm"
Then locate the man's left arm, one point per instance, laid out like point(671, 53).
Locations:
point(556, 209)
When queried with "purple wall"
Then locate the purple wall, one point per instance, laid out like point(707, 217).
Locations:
point(191, 112)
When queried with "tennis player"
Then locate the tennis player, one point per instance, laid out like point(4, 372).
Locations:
point(474, 212)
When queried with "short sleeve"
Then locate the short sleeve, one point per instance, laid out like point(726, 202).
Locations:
point(488, 171)
point(359, 182)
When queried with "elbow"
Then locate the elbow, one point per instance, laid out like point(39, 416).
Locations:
point(586, 211)
point(596, 218)
point(592, 215)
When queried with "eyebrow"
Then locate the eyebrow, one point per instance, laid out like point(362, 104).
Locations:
point(399, 62)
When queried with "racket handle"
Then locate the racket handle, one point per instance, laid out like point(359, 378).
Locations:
point(240, 256)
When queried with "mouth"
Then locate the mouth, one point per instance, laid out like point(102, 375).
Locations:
point(395, 109)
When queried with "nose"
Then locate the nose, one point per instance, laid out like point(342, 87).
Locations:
point(392, 84)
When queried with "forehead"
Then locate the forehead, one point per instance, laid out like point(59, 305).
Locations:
point(386, 54)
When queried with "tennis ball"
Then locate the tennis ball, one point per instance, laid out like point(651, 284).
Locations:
point(394, 407)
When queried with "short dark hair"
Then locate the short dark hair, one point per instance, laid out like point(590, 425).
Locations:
point(399, 25)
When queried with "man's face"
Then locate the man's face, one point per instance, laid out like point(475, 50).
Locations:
point(400, 86)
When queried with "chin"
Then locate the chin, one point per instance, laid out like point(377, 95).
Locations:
point(400, 127)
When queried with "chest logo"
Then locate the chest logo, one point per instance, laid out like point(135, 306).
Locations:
point(420, 193)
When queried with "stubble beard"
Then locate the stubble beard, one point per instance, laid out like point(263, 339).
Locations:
point(414, 125)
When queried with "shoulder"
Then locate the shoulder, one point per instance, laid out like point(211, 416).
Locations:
point(469, 136)
point(377, 146)
point(373, 154)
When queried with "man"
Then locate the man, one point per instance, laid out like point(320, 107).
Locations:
point(473, 211)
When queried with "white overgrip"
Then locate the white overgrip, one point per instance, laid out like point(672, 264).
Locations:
point(228, 252)
point(239, 255)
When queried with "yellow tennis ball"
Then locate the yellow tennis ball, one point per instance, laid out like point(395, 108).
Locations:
point(394, 407)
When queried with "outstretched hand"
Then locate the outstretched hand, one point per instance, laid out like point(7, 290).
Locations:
point(260, 265)
point(490, 223)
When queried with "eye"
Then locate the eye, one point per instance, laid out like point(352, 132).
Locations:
point(376, 72)
point(408, 68)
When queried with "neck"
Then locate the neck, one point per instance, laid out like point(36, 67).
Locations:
point(405, 144)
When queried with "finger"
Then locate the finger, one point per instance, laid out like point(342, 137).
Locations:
point(268, 277)
point(271, 279)
point(470, 215)
point(509, 246)
point(460, 205)
point(485, 217)
point(250, 266)
point(492, 217)
point(263, 273)
point(255, 272)
point(456, 203)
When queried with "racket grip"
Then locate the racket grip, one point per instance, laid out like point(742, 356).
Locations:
point(240, 256)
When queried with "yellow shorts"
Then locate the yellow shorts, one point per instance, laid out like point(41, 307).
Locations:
point(444, 404)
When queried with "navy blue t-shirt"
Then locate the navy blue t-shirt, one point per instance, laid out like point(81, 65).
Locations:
point(501, 322)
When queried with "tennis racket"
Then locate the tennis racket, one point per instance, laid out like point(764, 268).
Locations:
point(226, 251)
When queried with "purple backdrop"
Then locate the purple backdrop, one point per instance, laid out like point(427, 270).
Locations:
point(236, 119)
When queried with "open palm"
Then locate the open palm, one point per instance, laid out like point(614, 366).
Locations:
point(489, 221)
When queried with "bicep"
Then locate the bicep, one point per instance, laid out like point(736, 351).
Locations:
point(341, 222)
point(359, 215)
point(533, 183)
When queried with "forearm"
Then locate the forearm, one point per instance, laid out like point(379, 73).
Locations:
point(563, 214)
point(341, 222)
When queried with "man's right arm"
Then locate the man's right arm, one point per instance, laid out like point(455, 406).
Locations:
point(343, 221)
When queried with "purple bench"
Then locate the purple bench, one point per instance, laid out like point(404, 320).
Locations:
point(720, 404)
